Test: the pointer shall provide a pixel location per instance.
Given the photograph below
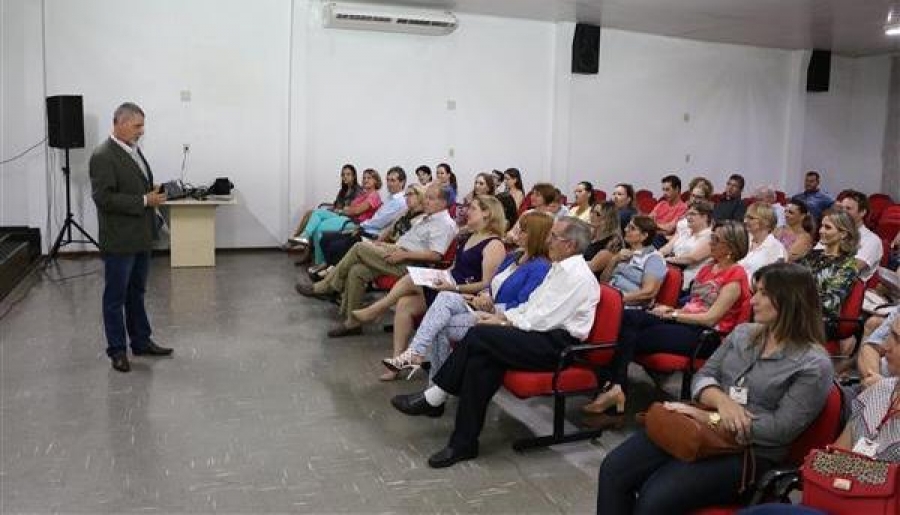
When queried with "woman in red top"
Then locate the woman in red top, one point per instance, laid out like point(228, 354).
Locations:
point(719, 299)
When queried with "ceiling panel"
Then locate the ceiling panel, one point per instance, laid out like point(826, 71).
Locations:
point(849, 27)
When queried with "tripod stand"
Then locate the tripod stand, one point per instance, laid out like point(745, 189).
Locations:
point(66, 230)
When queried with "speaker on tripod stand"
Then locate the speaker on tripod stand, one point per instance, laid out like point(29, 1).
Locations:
point(65, 127)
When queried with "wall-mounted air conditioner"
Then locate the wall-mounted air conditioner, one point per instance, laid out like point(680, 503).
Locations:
point(340, 15)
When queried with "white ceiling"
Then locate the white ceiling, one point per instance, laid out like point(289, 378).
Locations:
point(848, 27)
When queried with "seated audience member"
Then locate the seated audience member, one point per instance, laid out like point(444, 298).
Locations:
point(509, 209)
point(690, 249)
point(670, 208)
point(350, 189)
point(497, 175)
point(894, 261)
point(700, 189)
point(731, 206)
point(445, 175)
point(427, 241)
point(876, 412)
point(871, 250)
point(623, 198)
point(871, 363)
point(764, 247)
point(557, 206)
point(559, 313)
point(767, 194)
point(415, 212)
point(834, 266)
point(452, 314)
point(606, 238)
point(639, 269)
point(360, 209)
point(477, 257)
point(785, 377)
point(584, 201)
point(798, 233)
point(719, 299)
point(336, 243)
point(423, 173)
point(542, 196)
point(484, 185)
point(813, 197)
point(512, 179)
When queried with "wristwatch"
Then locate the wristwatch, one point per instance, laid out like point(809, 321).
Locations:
point(714, 419)
point(674, 315)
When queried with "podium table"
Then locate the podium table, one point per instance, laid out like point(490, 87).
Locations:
point(192, 235)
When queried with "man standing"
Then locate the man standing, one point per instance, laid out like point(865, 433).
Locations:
point(812, 196)
point(122, 188)
point(731, 205)
point(559, 313)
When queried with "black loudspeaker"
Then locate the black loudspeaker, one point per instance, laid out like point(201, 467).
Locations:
point(586, 49)
point(65, 121)
point(818, 75)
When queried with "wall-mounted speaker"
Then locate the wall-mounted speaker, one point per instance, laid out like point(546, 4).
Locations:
point(586, 49)
point(818, 75)
point(65, 121)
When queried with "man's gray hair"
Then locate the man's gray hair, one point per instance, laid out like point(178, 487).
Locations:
point(127, 110)
point(578, 232)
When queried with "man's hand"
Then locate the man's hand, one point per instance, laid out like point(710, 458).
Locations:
point(154, 199)
point(871, 379)
point(395, 257)
point(491, 319)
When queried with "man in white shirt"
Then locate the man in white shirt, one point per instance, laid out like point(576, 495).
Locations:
point(427, 241)
point(868, 256)
point(559, 313)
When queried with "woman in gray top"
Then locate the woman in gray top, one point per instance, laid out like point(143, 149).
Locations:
point(767, 382)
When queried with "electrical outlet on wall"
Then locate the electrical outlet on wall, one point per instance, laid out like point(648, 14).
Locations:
point(185, 147)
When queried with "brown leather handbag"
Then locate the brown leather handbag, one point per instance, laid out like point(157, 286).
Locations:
point(686, 438)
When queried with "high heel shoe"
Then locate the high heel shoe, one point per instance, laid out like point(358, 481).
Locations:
point(613, 397)
point(402, 361)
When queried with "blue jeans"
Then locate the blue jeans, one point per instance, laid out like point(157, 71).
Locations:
point(638, 477)
point(126, 283)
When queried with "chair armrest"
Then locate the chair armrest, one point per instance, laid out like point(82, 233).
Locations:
point(571, 351)
point(776, 484)
point(709, 339)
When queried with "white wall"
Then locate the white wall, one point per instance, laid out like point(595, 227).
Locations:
point(845, 126)
point(663, 104)
point(279, 103)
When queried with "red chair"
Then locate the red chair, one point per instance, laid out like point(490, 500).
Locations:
point(646, 204)
point(525, 205)
point(781, 197)
point(670, 289)
point(685, 196)
point(575, 373)
point(823, 431)
point(599, 196)
point(643, 193)
point(849, 321)
point(668, 295)
point(888, 223)
point(748, 201)
point(878, 202)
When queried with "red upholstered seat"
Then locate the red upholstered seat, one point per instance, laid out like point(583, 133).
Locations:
point(849, 321)
point(670, 289)
point(878, 203)
point(575, 378)
point(599, 196)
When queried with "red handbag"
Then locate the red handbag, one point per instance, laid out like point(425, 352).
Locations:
point(841, 482)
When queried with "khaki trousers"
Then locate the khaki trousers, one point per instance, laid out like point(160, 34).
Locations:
point(364, 262)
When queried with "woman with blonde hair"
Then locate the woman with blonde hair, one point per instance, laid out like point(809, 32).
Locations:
point(477, 258)
point(834, 264)
point(452, 314)
point(764, 249)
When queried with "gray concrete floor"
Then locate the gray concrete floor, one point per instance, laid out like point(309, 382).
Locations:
point(257, 411)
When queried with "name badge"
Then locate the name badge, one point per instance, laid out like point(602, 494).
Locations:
point(865, 447)
point(738, 394)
